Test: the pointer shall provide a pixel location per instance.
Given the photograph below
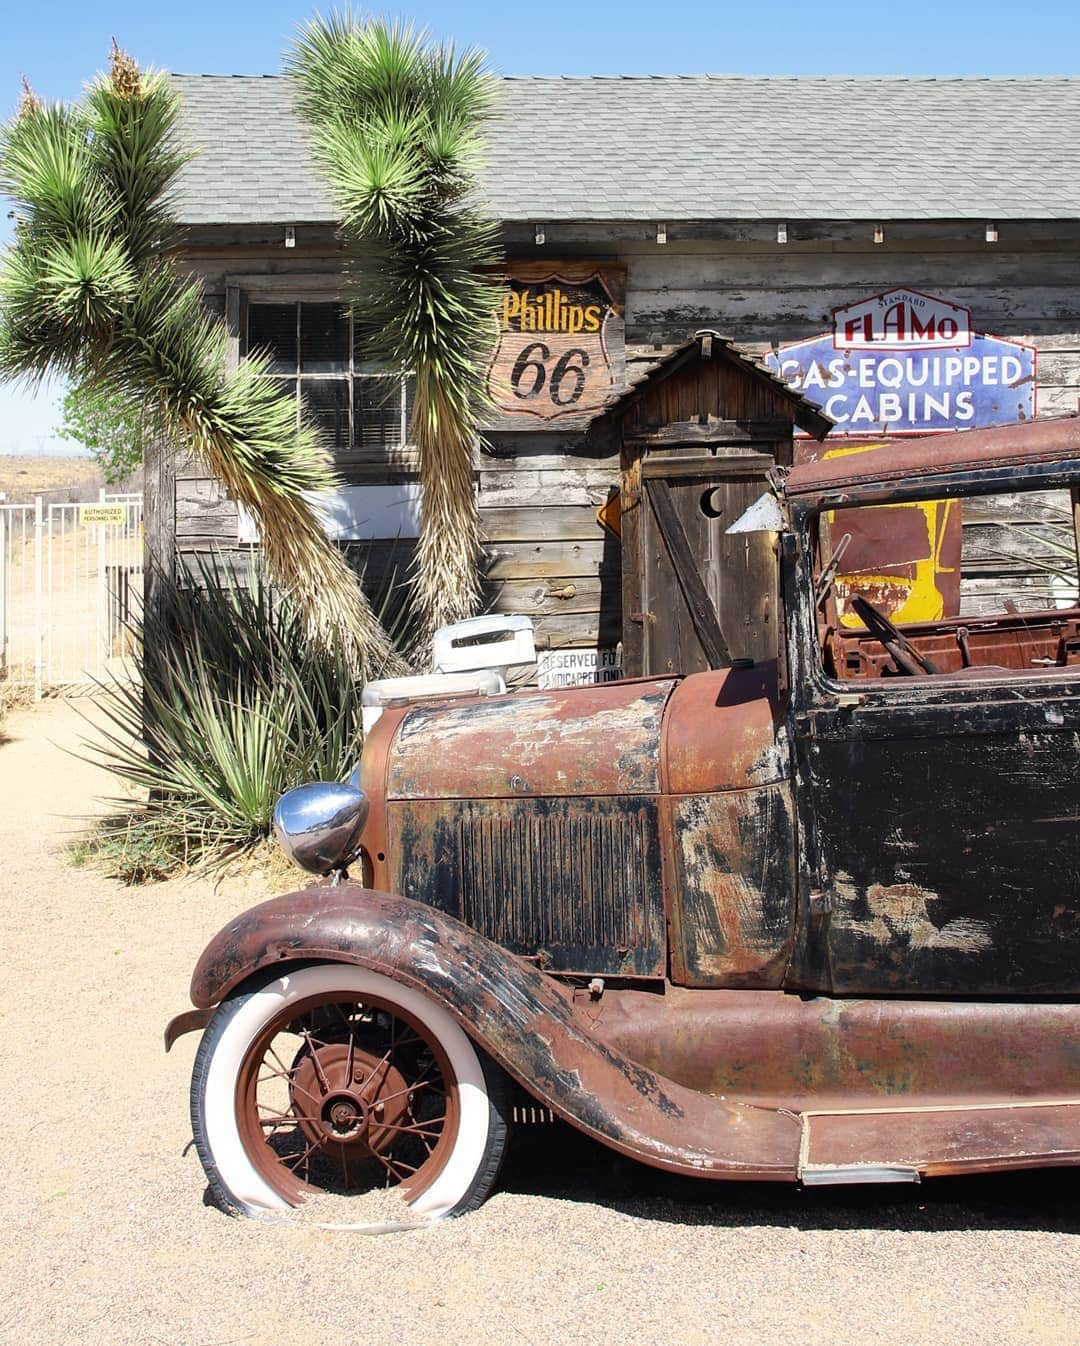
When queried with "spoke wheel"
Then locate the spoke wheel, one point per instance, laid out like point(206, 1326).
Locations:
point(331, 1078)
point(369, 1099)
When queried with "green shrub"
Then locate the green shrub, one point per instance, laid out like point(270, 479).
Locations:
point(232, 704)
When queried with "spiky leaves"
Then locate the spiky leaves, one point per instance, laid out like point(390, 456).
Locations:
point(397, 127)
point(87, 292)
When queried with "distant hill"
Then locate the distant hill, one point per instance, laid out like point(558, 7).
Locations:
point(58, 478)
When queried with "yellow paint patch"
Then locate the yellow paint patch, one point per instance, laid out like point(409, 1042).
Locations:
point(918, 598)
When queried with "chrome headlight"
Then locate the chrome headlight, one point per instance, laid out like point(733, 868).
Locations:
point(319, 825)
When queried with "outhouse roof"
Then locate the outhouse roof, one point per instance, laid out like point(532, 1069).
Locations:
point(705, 344)
point(700, 147)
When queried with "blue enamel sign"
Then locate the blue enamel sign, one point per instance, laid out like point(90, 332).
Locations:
point(907, 363)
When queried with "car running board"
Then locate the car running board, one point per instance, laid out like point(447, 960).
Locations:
point(905, 1144)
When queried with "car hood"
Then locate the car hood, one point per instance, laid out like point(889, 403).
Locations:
point(597, 740)
point(710, 732)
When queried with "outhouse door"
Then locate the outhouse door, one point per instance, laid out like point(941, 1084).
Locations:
point(707, 598)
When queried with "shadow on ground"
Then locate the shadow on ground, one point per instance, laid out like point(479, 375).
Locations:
point(557, 1161)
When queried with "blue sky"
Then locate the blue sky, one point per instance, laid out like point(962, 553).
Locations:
point(60, 43)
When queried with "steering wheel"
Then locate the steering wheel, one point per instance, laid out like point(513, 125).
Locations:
point(903, 654)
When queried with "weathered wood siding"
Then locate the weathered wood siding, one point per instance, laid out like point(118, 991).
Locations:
point(539, 491)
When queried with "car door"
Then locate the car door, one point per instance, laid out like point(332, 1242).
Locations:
point(940, 810)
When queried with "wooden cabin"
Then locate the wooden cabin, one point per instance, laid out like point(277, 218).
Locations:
point(940, 295)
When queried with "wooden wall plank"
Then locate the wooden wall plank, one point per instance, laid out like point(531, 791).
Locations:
point(540, 561)
point(868, 272)
point(204, 511)
point(803, 311)
point(559, 594)
point(532, 460)
point(1055, 401)
point(555, 523)
point(584, 487)
point(567, 631)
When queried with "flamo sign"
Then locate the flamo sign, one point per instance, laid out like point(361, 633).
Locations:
point(904, 362)
point(560, 352)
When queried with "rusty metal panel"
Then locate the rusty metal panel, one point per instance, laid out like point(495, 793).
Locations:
point(585, 741)
point(842, 1146)
point(807, 1052)
point(724, 731)
point(904, 558)
point(733, 913)
point(949, 860)
point(1027, 443)
point(522, 1018)
point(575, 884)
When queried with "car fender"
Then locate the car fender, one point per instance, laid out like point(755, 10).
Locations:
point(521, 1017)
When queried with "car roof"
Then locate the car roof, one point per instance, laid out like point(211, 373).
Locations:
point(1051, 440)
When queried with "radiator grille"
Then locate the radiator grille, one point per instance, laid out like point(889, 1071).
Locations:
point(532, 881)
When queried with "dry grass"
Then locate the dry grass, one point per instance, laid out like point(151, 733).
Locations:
point(22, 476)
point(61, 478)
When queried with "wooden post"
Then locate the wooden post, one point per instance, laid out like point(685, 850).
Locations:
point(633, 618)
point(232, 323)
point(39, 602)
point(1076, 523)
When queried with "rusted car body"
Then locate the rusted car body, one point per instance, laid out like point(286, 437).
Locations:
point(814, 919)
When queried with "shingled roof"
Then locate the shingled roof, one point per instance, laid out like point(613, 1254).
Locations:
point(695, 147)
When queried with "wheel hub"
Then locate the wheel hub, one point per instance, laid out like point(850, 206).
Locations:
point(344, 1117)
point(349, 1097)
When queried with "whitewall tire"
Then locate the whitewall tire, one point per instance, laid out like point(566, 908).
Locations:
point(330, 1077)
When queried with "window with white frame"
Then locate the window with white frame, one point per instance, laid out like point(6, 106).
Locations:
point(360, 408)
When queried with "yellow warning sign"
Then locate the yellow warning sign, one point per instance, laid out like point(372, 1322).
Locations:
point(112, 516)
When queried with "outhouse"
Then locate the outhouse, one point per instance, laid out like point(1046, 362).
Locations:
point(698, 434)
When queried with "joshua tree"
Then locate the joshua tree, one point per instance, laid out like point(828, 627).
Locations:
point(87, 291)
point(397, 122)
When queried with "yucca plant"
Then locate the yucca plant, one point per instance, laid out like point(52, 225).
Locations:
point(397, 123)
point(232, 705)
point(87, 291)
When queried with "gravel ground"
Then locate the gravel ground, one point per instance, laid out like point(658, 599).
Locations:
point(108, 1236)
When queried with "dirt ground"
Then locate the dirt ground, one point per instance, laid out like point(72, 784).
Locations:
point(106, 1234)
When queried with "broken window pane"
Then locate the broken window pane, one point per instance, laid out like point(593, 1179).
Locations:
point(944, 586)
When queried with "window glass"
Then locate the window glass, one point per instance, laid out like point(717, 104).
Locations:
point(272, 328)
point(324, 339)
point(377, 410)
point(987, 582)
point(327, 404)
point(361, 410)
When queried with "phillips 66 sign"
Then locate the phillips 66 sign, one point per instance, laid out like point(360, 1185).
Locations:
point(560, 353)
point(904, 362)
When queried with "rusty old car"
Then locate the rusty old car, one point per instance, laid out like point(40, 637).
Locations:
point(812, 918)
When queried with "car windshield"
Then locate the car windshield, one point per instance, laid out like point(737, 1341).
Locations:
point(946, 585)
